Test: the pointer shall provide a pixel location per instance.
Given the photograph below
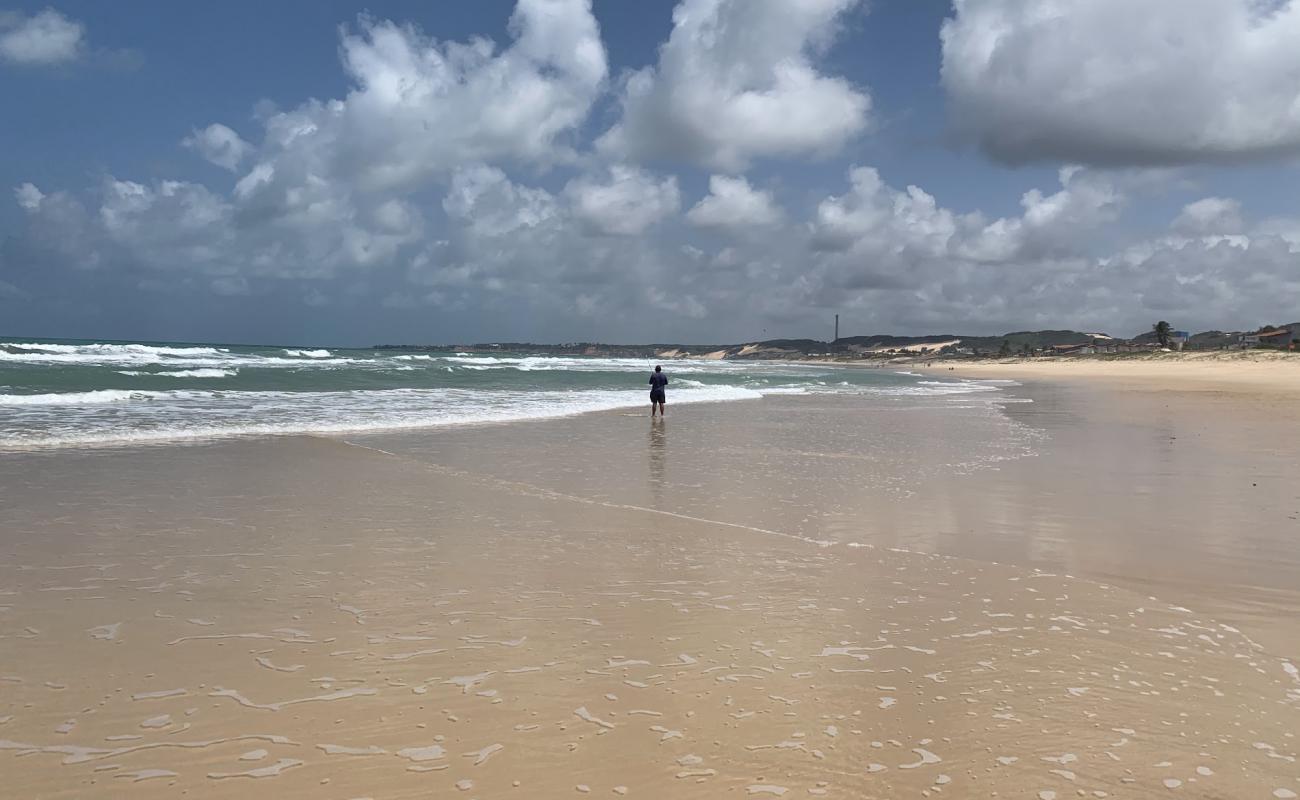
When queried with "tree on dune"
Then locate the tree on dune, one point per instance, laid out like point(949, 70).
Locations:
point(1162, 330)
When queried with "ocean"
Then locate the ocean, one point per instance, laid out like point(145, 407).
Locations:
point(70, 393)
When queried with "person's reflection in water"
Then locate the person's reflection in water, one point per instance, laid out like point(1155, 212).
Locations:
point(658, 459)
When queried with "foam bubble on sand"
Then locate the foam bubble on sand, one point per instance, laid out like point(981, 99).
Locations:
point(1047, 794)
point(464, 785)
point(266, 662)
point(766, 788)
point(1284, 794)
point(852, 652)
point(75, 754)
point(481, 756)
point(360, 691)
point(467, 682)
point(614, 663)
point(926, 758)
point(874, 767)
point(146, 774)
point(666, 734)
point(887, 702)
point(254, 755)
point(1204, 771)
point(586, 716)
point(158, 695)
point(157, 722)
point(415, 654)
point(105, 632)
point(342, 750)
point(1172, 783)
point(261, 772)
point(431, 752)
point(221, 636)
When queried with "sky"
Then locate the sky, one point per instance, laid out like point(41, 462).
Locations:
point(702, 171)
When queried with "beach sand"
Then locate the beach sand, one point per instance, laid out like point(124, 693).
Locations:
point(1091, 594)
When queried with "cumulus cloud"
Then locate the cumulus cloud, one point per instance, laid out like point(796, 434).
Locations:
point(624, 202)
point(1219, 215)
point(732, 204)
point(419, 108)
point(1114, 82)
point(44, 39)
point(735, 82)
point(451, 183)
point(220, 145)
point(29, 197)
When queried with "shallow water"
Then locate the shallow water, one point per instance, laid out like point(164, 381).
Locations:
point(74, 394)
point(785, 598)
point(312, 617)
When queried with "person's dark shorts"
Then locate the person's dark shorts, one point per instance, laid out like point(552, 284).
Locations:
point(657, 396)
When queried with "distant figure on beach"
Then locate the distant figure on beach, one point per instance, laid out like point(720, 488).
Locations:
point(658, 380)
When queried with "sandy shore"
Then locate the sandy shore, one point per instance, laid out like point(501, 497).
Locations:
point(1244, 372)
point(797, 597)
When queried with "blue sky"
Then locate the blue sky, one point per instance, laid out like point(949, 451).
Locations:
point(327, 172)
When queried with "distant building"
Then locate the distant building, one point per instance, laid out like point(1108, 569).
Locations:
point(1071, 349)
point(1281, 339)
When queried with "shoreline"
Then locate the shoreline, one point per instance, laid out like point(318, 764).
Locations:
point(960, 596)
point(385, 625)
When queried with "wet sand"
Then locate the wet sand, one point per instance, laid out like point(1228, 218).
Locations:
point(795, 597)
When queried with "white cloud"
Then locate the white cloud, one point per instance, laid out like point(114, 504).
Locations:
point(1211, 215)
point(732, 204)
point(874, 217)
point(419, 108)
point(427, 186)
point(45, 39)
point(624, 202)
point(29, 197)
point(736, 82)
point(490, 205)
point(1119, 82)
point(220, 145)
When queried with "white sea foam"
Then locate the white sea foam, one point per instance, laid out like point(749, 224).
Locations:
point(141, 355)
point(183, 373)
point(309, 353)
point(315, 391)
point(112, 349)
point(96, 397)
point(180, 415)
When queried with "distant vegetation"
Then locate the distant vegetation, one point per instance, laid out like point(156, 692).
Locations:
point(854, 348)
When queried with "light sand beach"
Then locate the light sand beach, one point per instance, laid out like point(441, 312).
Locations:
point(1259, 372)
point(1091, 594)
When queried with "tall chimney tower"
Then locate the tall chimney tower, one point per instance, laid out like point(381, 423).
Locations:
point(837, 327)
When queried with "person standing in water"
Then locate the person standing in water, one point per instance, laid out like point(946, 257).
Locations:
point(658, 380)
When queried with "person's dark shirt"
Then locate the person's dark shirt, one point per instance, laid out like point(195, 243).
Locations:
point(658, 381)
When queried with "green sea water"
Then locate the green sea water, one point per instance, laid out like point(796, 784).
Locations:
point(67, 393)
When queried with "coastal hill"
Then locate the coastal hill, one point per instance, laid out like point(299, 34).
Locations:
point(847, 348)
